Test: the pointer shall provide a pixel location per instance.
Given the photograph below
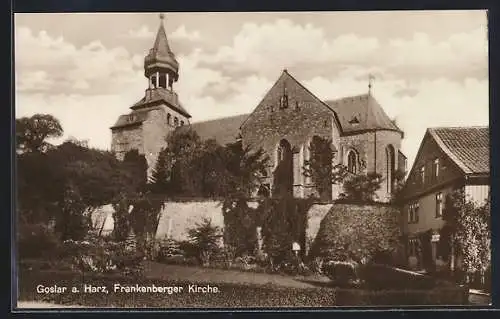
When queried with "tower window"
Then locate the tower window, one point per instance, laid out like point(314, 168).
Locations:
point(169, 119)
point(163, 81)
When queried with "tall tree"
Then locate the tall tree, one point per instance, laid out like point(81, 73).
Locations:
point(32, 132)
point(320, 166)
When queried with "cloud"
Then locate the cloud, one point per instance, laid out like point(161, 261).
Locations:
point(54, 65)
point(431, 103)
point(182, 33)
point(142, 33)
point(270, 47)
point(418, 81)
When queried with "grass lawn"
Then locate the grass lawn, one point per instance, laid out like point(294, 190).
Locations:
point(210, 275)
point(229, 289)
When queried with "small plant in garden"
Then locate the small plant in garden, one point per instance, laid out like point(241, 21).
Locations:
point(204, 238)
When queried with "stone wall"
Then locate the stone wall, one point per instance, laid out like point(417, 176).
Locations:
point(304, 118)
point(371, 149)
point(125, 139)
point(361, 226)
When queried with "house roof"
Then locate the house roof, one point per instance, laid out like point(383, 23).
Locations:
point(361, 113)
point(467, 147)
point(224, 130)
point(161, 95)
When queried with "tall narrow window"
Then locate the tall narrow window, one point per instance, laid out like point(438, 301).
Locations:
point(439, 205)
point(422, 175)
point(436, 168)
point(176, 121)
point(169, 119)
point(352, 162)
point(413, 213)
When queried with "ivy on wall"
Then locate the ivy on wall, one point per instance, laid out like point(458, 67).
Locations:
point(357, 231)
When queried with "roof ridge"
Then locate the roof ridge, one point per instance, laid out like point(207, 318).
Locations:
point(317, 98)
point(459, 127)
point(346, 97)
point(221, 118)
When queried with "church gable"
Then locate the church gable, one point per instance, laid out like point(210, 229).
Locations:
point(288, 111)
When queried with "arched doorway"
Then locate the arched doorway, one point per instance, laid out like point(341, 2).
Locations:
point(390, 166)
point(283, 174)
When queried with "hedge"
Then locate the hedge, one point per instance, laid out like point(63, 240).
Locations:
point(230, 295)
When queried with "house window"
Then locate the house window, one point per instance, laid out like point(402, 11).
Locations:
point(176, 121)
point(413, 213)
point(169, 119)
point(422, 175)
point(352, 160)
point(182, 123)
point(439, 205)
point(436, 168)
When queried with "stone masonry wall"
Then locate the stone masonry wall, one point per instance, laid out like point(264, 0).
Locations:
point(125, 139)
point(365, 146)
point(304, 118)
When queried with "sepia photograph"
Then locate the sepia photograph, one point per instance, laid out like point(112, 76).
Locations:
point(262, 160)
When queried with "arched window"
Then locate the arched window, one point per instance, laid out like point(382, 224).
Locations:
point(352, 162)
point(176, 121)
point(390, 164)
point(182, 123)
point(169, 119)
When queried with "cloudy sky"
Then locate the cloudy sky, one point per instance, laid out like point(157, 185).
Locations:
point(431, 68)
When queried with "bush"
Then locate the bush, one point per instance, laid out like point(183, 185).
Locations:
point(37, 241)
point(97, 255)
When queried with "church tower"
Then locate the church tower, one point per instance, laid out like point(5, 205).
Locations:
point(159, 112)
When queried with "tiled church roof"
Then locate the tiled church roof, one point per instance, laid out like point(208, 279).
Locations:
point(468, 147)
point(133, 118)
point(224, 130)
point(161, 95)
point(361, 113)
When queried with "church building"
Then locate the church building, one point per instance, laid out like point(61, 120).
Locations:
point(284, 123)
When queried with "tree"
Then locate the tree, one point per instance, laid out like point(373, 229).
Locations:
point(397, 192)
point(160, 177)
point(469, 230)
point(184, 145)
point(32, 132)
point(319, 167)
point(361, 188)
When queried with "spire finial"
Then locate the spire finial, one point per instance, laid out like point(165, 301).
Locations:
point(162, 16)
point(371, 78)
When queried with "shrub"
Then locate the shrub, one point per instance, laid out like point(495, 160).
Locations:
point(342, 273)
point(97, 255)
